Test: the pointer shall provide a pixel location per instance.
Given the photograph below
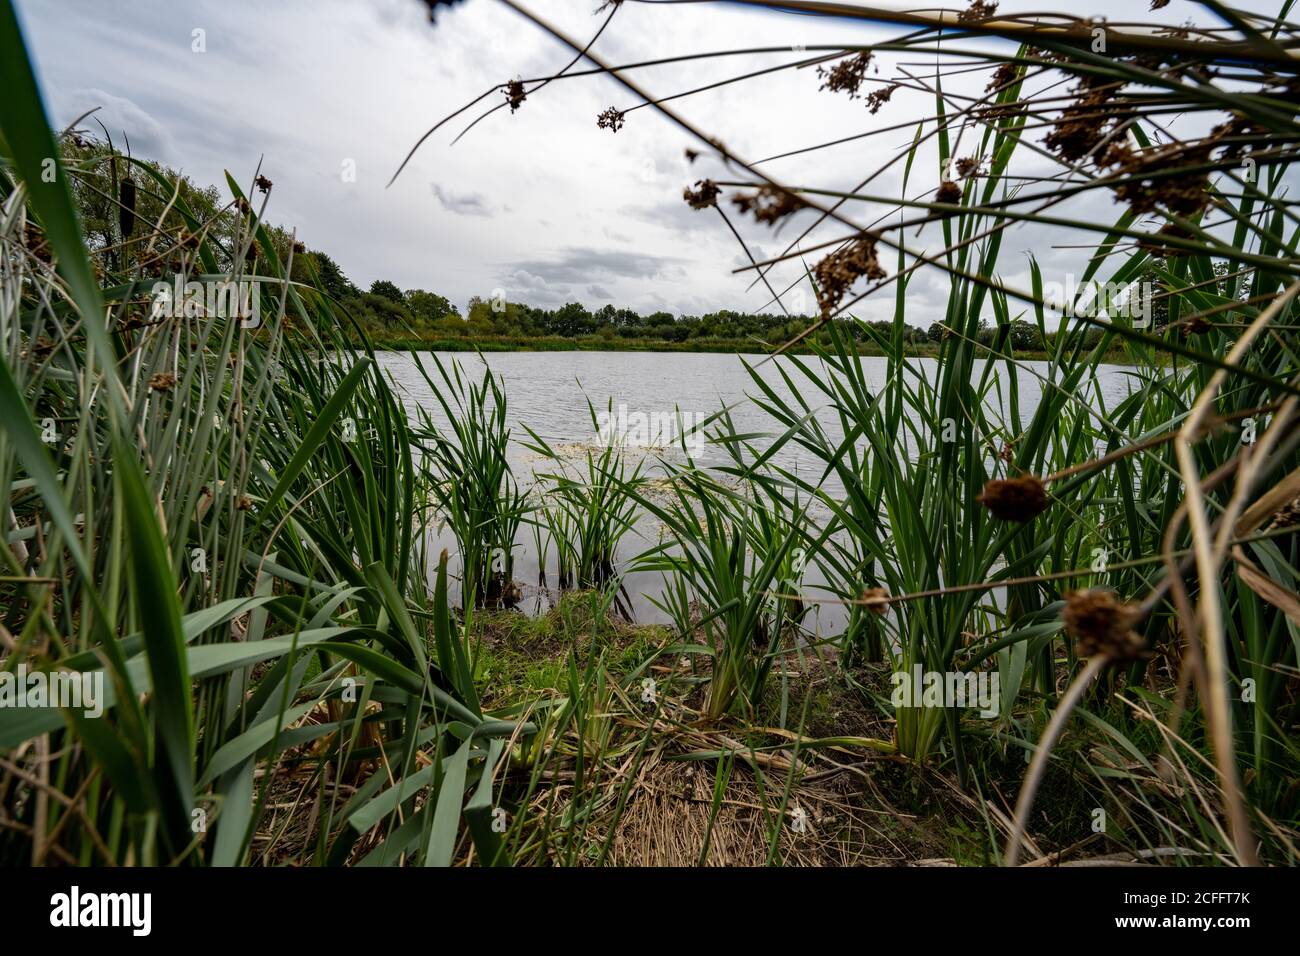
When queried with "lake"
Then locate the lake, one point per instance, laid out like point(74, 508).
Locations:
point(549, 392)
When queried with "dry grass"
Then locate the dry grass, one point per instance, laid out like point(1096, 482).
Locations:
point(672, 813)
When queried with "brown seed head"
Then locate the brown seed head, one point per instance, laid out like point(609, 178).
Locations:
point(978, 10)
point(35, 241)
point(769, 205)
point(948, 192)
point(1118, 153)
point(611, 120)
point(878, 98)
point(847, 75)
point(263, 184)
point(838, 271)
point(433, 6)
point(1002, 77)
point(515, 94)
point(1144, 189)
point(1235, 130)
point(1014, 499)
point(704, 195)
point(1101, 624)
point(1085, 123)
point(162, 382)
point(876, 600)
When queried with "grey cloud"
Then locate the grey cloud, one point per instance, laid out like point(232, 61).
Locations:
point(582, 265)
point(124, 119)
point(532, 289)
point(462, 204)
point(675, 216)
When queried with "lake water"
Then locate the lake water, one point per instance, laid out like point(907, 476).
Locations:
point(549, 392)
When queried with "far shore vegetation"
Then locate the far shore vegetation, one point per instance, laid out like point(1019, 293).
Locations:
point(425, 321)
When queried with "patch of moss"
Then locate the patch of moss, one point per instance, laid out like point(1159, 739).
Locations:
point(518, 656)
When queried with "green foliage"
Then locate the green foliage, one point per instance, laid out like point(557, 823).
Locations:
point(330, 277)
point(387, 290)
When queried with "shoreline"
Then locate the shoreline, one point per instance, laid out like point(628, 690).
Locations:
point(715, 346)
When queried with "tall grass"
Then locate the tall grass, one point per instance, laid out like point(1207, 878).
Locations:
point(726, 557)
point(589, 509)
point(473, 485)
point(220, 522)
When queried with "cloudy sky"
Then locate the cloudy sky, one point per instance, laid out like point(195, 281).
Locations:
point(539, 203)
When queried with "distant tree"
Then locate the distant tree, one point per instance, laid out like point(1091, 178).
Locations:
point(1154, 286)
point(1025, 336)
point(388, 290)
point(571, 320)
point(379, 311)
point(331, 278)
point(626, 319)
point(480, 318)
point(496, 317)
point(429, 306)
point(675, 332)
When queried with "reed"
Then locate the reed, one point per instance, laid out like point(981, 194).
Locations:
point(590, 509)
point(472, 482)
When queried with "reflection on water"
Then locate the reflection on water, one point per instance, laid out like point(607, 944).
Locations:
point(549, 391)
